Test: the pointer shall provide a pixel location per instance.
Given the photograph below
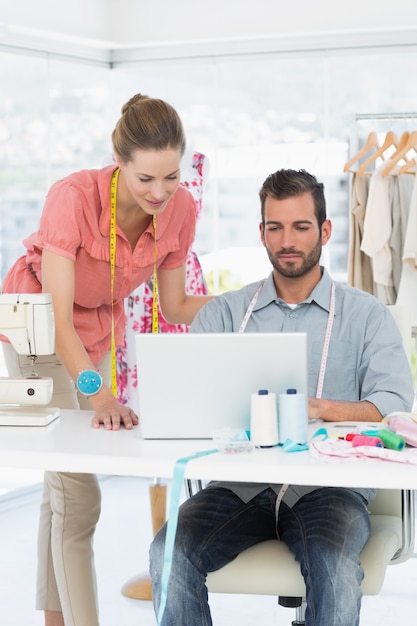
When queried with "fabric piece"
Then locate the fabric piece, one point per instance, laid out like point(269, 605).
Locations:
point(339, 450)
point(404, 425)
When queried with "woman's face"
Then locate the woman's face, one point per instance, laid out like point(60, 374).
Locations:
point(152, 177)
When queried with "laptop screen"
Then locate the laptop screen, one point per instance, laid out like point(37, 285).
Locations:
point(191, 384)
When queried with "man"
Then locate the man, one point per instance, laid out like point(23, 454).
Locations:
point(358, 371)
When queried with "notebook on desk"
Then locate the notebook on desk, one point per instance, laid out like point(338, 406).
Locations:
point(190, 385)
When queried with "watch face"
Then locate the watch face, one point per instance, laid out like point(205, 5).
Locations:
point(89, 382)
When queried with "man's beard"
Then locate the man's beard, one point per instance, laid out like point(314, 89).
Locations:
point(290, 270)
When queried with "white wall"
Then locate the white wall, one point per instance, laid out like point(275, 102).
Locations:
point(137, 22)
point(190, 20)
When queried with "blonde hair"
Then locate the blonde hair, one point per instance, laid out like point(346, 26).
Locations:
point(147, 124)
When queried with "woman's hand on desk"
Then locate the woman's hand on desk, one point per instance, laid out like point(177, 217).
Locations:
point(110, 413)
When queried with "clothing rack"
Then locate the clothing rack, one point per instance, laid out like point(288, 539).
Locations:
point(384, 116)
point(354, 135)
point(355, 143)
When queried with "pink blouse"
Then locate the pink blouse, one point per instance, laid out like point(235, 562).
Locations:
point(75, 223)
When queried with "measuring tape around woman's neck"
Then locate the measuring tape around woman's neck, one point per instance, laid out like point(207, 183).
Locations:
point(155, 323)
point(113, 196)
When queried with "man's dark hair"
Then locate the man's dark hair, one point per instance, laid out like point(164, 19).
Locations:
point(291, 183)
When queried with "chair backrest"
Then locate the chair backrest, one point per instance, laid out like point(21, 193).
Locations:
point(401, 504)
point(387, 502)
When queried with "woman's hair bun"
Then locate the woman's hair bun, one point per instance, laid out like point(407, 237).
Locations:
point(133, 100)
point(147, 124)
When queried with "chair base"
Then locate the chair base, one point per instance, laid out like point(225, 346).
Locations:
point(297, 603)
point(138, 588)
point(289, 602)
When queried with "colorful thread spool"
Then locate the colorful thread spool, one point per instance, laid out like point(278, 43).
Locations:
point(366, 440)
point(350, 436)
point(391, 440)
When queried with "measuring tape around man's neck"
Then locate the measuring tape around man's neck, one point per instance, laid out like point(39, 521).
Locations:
point(326, 342)
point(155, 324)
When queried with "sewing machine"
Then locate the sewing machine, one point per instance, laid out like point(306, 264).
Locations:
point(27, 320)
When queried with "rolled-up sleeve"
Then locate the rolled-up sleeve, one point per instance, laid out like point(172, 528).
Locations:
point(385, 373)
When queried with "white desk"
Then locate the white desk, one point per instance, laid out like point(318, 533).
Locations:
point(70, 444)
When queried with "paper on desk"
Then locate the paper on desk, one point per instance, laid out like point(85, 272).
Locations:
point(341, 450)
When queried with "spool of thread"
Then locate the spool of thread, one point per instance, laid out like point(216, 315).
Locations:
point(292, 417)
point(366, 440)
point(391, 440)
point(263, 419)
point(350, 436)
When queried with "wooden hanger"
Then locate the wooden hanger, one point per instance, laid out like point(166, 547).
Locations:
point(409, 167)
point(371, 143)
point(401, 145)
point(408, 143)
point(389, 141)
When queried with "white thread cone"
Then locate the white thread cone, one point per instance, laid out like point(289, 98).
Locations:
point(264, 420)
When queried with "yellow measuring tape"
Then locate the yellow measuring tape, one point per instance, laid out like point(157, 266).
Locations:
point(113, 196)
point(155, 323)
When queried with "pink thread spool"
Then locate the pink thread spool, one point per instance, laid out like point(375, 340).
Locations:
point(366, 440)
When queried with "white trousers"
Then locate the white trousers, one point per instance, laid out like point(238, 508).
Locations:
point(69, 511)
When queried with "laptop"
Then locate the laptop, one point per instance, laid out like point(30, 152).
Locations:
point(191, 385)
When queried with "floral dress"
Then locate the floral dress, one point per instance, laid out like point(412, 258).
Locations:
point(138, 305)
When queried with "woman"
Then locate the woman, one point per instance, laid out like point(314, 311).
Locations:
point(102, 233)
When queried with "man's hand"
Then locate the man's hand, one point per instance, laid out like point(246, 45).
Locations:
point(342, 410)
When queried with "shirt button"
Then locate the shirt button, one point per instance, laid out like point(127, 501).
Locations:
point(291, 316)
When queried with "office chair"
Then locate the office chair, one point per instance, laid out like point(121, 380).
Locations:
point(270, 568)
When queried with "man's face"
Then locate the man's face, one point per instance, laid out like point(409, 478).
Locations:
point(292, 236)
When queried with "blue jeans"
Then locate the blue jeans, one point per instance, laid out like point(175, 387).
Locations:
point(326, 530)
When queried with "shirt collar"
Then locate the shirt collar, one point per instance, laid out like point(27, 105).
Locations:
point(320, 294)
point(268, 293)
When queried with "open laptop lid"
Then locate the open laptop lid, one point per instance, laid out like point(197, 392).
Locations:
point(191, 384)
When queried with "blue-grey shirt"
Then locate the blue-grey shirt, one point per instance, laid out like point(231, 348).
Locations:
point(366, 358)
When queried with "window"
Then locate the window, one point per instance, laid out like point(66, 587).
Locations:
point(249, 114)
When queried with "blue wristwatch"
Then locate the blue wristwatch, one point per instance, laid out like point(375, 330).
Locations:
point(89, 382)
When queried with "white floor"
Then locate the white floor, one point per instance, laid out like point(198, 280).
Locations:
point(121, 546)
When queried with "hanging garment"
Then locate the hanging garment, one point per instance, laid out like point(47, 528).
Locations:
point(402, 193)
point(359, 264)
point(377, 233)
point(407, 292)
